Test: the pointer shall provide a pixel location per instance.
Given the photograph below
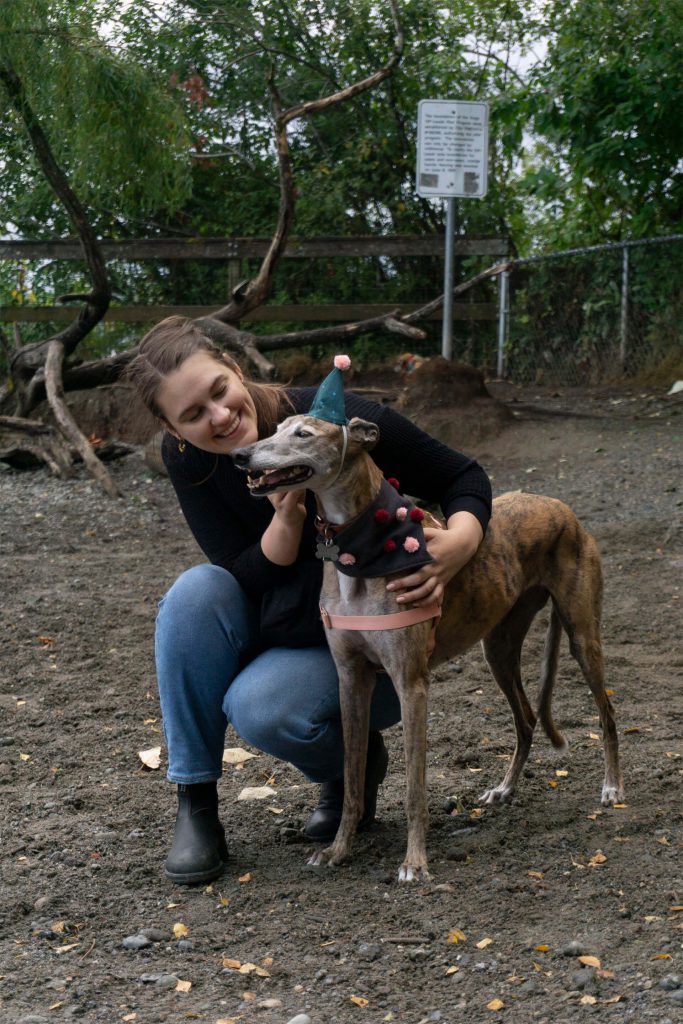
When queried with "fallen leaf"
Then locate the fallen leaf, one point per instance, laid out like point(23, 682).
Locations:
point(359, 1001)
point(170, 906)
point(542, 949)
point(237, 755)
point(65, 949)
point(552, 783)
point(484, 943)
point(130, 1016)
point(598, 858)
point(452, 970)
point(474, 771)
point(561, 773)
point(58, 926)
point(257, 793)
point(677, 907)
point(661, 956)
point(589, 961)
point(594, 736)
point(245, 878)
point(223, 900)
point(227, 1020)
point(209, 889)
point(149, 721)
point(46, 641)
point(183, 986)
point(248, 996)
point(234, 965)
point(55, 1006)
point(495, 1004)
point(613, 999)
point(535, 874)
point(663, 841)
point(268, 961)
point(275, 810)
point(619, 807)
point(605, 974)
point(180, 930)
point(25, 757)
point(150, 758)
point(455, 936)
point(588, 1000)
point(610, 693)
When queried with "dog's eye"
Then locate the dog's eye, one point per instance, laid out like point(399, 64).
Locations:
point(302, 432)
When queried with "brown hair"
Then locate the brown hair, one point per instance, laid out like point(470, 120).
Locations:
point(166, 347)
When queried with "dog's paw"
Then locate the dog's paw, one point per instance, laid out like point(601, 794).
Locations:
point(497, 795)
point(330, 856)
point(612, 794)
point(414, 873)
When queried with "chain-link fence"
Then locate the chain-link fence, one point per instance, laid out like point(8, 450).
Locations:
point(594, 315)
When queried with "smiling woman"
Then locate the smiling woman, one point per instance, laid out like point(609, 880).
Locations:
point(240, 640)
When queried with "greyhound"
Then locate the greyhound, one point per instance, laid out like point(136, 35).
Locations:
point(534, 549)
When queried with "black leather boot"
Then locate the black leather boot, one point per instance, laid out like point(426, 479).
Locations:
point(324, 822)
point(199, 852)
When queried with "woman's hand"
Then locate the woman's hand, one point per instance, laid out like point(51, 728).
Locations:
point(451, 549)
point(282, 537)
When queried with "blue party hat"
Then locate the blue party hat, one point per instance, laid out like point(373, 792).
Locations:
point(328, 403)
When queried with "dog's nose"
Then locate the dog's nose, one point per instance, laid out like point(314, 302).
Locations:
point(240, 457)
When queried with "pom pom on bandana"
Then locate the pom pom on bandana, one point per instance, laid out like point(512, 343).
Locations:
point(416, 515)
point(411, 545)
point(347, 559)
point(401, 513)
point(342, 362)
point(390, 546)
point(381, 516)
point(394, 482)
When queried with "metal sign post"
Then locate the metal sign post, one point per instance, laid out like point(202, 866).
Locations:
point(452, 162)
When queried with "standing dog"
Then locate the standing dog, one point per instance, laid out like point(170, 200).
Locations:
point(534, 549)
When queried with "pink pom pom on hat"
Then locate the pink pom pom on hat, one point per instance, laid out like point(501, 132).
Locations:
point(342, 362)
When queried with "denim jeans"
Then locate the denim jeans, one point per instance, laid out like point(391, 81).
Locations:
point(283, 701)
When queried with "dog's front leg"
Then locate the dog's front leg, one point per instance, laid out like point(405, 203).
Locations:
point(413, 694)
point(356, 685)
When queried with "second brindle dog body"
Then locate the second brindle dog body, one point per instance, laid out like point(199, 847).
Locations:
point(534, 549)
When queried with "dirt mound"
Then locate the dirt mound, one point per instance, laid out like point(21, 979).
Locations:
point(451, 402)
point(112, 411)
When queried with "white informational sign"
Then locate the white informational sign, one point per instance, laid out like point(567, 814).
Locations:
point(452, 148)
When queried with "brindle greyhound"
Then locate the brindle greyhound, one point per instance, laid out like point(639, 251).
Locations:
point(534, 549)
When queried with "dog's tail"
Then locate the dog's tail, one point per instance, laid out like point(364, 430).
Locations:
point(551, 654)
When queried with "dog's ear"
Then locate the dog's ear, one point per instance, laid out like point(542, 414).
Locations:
point(363, 433)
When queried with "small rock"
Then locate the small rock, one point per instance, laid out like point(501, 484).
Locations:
point(185, 945)
point(677, 997)
point(270, 1004)
point(166, 981)
point(32, 1018)
point(670, 982)
point(580, 979)
point(301, 1018)
point(155, 934)
point(136, 942)
point(41, 902)
point(456, 854)
point(149, 979)
point(369, 951)
point(574, 948)
point(6, 741)
point(418, 953)
point(528, 988)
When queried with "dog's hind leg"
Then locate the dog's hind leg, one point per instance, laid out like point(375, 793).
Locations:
point(414, 715)
point(578, 602)
point(503, 653)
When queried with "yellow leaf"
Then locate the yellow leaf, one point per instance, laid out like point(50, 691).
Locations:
point(605, 974)
point(130, 1016)
point(149, 721)
point(227, 1020)
point(677, 907)
point(55, 1006)
point(275, 810)
point(150, 758)
point(170, 906)
point(25, 757)
point(663, 841)
point(594, 736)
point(614, 999)
point(661, 956)
point(598, 858)
point(610, 693)
point(552, 783)
point(209, 889)
point(537, 967)
point(588, 1000)
point(237, 755)
point(561, 773)
point(542, 949)
point(183, 986)
point(619, 807)
point(248, 997)
point(245, 878)
point(234, 965)
point(589, 961)
point(65, 949)
point(628, 732)
point(452, 970)
point(455, 936)
point(535, 874)
point(359, 1001)
point(180, 930)
point(484, 943)
point(224, 901)
point(58, 926)
point(495, 1004)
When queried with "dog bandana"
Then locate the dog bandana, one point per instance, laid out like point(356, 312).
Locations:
point(386, 538)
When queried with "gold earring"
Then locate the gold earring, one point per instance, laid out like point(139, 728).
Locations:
point(181, 446)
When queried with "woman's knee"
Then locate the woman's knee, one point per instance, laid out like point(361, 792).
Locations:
point(201, 585)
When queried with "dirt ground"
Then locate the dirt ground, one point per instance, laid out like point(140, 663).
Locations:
point(525, 889)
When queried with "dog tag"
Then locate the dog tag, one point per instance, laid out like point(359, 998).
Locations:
point(327, 550)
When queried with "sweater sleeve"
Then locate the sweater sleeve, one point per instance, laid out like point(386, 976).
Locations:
point(225, 520)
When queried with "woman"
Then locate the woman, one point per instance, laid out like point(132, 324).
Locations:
point(239, 639)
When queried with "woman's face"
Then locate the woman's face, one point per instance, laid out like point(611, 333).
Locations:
point(206, 403)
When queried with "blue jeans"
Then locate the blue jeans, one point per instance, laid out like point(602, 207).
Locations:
point(210, 671)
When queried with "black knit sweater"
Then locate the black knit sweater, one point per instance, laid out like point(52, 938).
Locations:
point(228, 523)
